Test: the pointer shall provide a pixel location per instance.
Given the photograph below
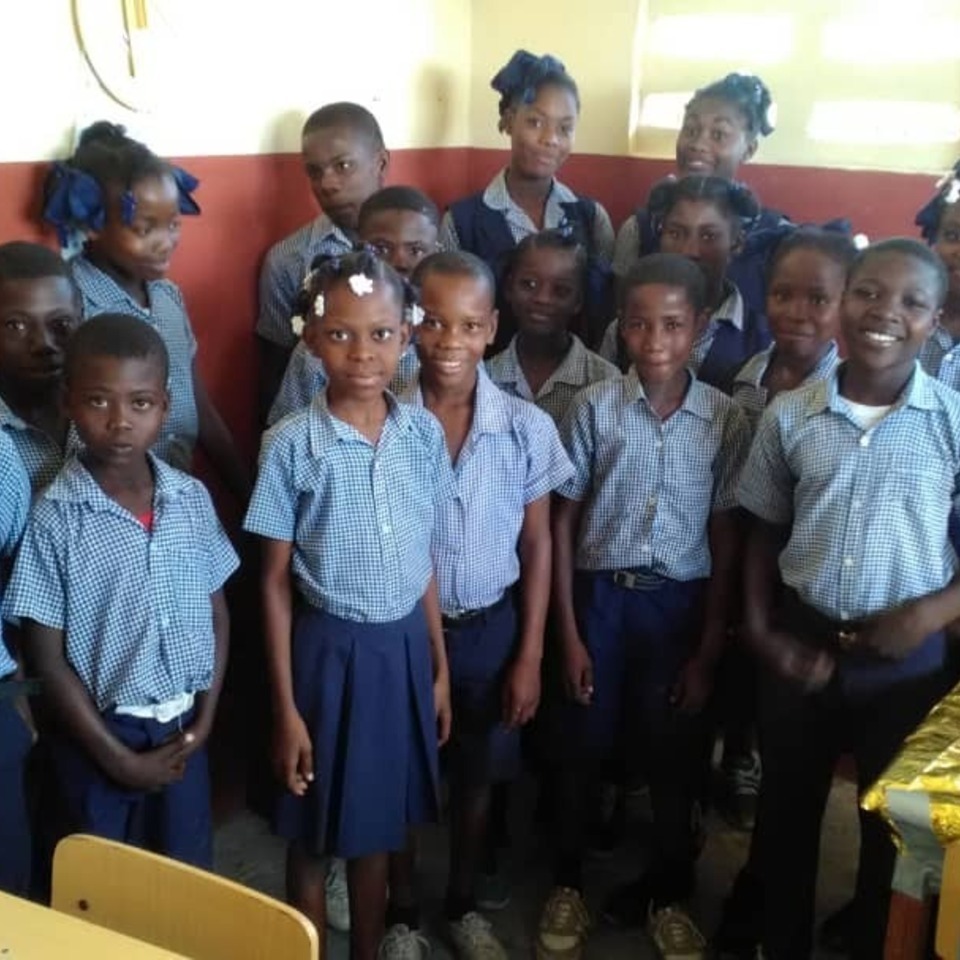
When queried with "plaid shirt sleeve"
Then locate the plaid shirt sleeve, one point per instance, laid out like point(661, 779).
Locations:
point(278, 291)
point(273, 509)
point(734, 448)
point(223, 559)
point(37, 590)
point(447, 238)
point(577, 433)
point(766, 485)
point(549, 465)
point(14, 496)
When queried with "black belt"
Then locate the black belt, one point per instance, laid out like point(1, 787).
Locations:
point(808, 622)
point(460, 618)
point(10, 688)
point(639, 578)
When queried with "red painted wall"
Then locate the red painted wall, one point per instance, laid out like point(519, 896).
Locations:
point(249, 202)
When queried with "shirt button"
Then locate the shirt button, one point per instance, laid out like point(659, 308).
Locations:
point(844, 615)
point(386, 528)
point(948, 358)
point(645, 547)
point(652, 502)
point(855, 504)
point(848, 561)
point(865, 440)
point(165, 622)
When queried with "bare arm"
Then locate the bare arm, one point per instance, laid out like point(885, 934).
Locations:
point(208, 700)
point(441, 671)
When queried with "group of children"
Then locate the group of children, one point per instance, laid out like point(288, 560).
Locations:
point(464, 511)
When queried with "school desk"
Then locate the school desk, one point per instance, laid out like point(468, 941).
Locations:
point(31, 932)
point(919, 796)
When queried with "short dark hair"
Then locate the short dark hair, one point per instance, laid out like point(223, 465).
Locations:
point(115, 160)
point(733, 200)
point(116, 335)
point(326, 272)
point(907, 247)
point(524, 75)
point(456, 263)
point(399, 198)
point(345, 114)
point(670, 270)
point(833, 244)
point(20, 260)
point(748, 93)
point(558, 239)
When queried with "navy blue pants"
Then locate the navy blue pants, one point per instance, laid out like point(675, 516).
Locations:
point(479, 651)
point(174, 821)
point(15, 743)
point(638, 641)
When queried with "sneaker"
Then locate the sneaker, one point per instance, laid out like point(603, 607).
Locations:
point(675, 935)
point(492, 891)
point(338, 897)
point(741, 787)
point(563, 926)
point(402, 943)
point(473, 939)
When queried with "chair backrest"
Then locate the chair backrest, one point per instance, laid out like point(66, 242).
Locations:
point(175, 906)
point(948, 918)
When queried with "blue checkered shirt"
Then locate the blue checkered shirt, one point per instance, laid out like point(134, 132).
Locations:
point(360, 516)
point(42, 456)
point(751, 396)
point(14, 503)
point(134, 604)
point(867, 509)
point(167, 314)
point(497, 197)
point(940, 357)
point(284, 267)
point(649, 485)
point(511, 457)
point(305, 378)
point(578, 369)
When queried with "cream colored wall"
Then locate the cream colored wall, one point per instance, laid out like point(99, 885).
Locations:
point(219, 77)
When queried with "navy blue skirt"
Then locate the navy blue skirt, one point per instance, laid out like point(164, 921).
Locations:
point(365, 692)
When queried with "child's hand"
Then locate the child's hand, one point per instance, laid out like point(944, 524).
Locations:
point(441, 706)
point(521, 692)
point(810, 668)
point(693, 686)
point(293, 753)
point(196, 735)
point(897, 633)
point(578, 670)
point(153, 769)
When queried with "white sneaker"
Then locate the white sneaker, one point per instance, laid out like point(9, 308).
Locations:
point(338, 897)
point(676, 935)
point(473, 938)
point(402, 943)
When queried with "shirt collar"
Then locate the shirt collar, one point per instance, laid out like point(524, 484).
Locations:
point(942, 338)
point(75, 484)
point(573, 369)
point(731, 309)
point(491, 413)
point(107, 293)
point(325, 429)
point(497, 197)
point(696, 401)
point(324, 230)
point(9, 419)
point(919, 393)
point(753, 371)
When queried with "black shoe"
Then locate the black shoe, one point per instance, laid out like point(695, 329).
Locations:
point(838, 931)
point(740, 928)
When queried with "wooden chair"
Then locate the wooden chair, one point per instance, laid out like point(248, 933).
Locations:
point(174, 906)
point(948, 918)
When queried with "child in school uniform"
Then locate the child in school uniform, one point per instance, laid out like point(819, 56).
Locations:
point(345, 505)
point(850, 580)
point(544, 362)
point(722, 127)
point(400, 225)
point(118, 584)
point(701, 217)
point(345, 160)
point(16, 734)
point(539, 109)
point(495, 535)
point(124, 205)
point(39, 309)
point(644, 551)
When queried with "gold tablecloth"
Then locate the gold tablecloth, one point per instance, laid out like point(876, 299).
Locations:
point(928, 762)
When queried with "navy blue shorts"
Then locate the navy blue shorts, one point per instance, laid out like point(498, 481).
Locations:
point(365, 693)
point(174, 821)
point(15, 743)
point(638, 641)
point(479, 651)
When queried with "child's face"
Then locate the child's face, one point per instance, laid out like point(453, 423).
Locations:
point(697, 230)
point(459, 324)
point(947, 246)
point(659, 327)
point(118, 405)
point(36, 320)
point(401, 237)
point(803, 301)
point(359, 340)
point(541, 133)
point(888, 311)
point(713, 140)
point(544, 290)
point(344, 168)
point(143, 248)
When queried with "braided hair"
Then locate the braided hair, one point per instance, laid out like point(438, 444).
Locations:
point(734, 200)
point(748, 93)
point(522, 77)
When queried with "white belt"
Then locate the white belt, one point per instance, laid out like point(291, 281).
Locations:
point(161, 712)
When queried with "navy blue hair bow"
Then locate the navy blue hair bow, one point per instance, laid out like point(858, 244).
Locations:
point(186, 184)
point(73, 201)
point(520, 77)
